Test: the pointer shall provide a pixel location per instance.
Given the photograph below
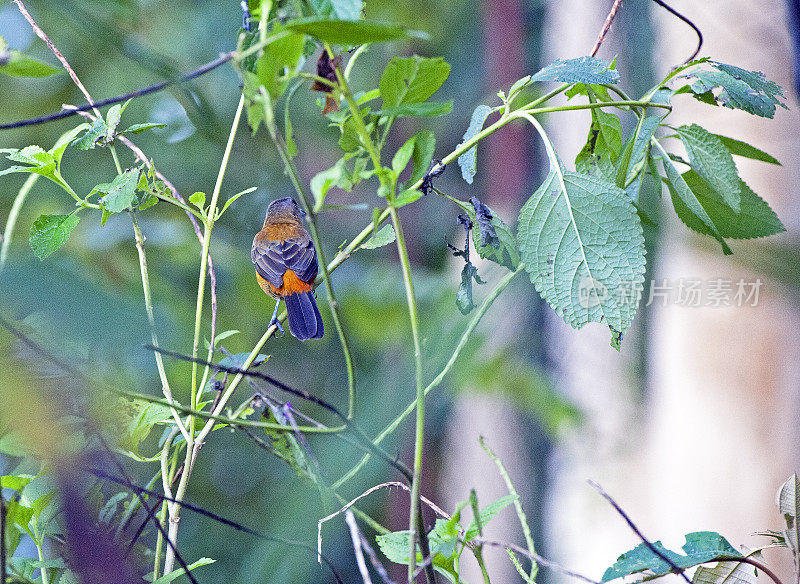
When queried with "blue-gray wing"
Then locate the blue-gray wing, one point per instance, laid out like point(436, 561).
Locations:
point(273, 258)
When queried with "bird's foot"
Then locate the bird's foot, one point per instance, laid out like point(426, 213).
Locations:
point(277, 324)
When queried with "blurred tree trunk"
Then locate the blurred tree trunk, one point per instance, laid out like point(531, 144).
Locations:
point(504, 161)
point(708, 445)
point(728, 375)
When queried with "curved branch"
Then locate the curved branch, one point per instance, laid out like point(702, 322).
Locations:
point(677, 14)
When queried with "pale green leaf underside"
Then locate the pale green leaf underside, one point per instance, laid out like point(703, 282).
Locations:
point(582, 244)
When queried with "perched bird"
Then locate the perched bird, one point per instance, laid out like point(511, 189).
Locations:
point(286, 265)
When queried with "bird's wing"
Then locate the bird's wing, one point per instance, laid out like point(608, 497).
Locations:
point(273, 258)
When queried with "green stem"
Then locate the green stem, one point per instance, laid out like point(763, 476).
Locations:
point(414, 514)
point(148, 304)
point(518, 506)
point(439, 378)
point(40, 552)
point(291, 169)
point(193, 446)
point(599, 104)
point(14, 214)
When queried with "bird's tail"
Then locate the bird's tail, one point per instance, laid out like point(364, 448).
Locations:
point(305, 321)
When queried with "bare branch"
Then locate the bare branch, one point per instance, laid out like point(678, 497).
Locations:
point(697, 31)
point(354, 535)
point(606, 26)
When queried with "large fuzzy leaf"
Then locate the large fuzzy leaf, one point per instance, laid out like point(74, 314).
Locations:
point(582, 244)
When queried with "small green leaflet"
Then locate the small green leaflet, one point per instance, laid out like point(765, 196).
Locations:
point(348, 32)
point(167, 578)
point(468, 161)
point(335, 176)
point(412, 80)
point(588, 70)
point(712, 160)
point(755, 217)
point(487, 513)
point(279, 57)
point(735, 88)
point(424, 148)
point(15, 64)
point(119, 193)
point(89, 140)
point(384, 236)
point(50, 232)
point(700, 547)
point(139, 128)
point(745, 150)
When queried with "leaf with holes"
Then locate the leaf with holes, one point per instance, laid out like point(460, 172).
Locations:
point(588, 70)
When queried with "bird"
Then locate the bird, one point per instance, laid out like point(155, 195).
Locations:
point(286, 266)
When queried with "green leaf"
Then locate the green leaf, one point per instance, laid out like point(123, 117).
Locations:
point(680, 191)
point(410, 80)
point(113, 118)
point(139, 128)
point(487, 513)
point(348, 32)
point(603, 146)
point(50, 232)
point(233, 198)
point(429, 108)
point(424, 148)
point(582, 244)
point(581, 70)
point(502, 251)
point(443, 546)
point(15, 64)
point(198, 199)
point(735, 88)
point(712, 160)
point(119, 193)
point(279, 59)
point(405, 197)
point(788, 501)
point(700, 547)
point(403, 156)
point(335, 176)
point(16, 483)
point(384, 236)
point(745, 150)
point(468, 161)
point(518, 86)
point(167, 578)
point(755, 218)
point(89, 140)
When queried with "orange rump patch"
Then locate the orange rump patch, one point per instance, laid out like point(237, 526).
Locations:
point(291, 285)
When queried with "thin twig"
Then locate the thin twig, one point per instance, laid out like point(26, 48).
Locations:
point(674, 12)
point(373, 558)
point(211, 65)
point(533, 556)
point(369, 491)
point(355, 537)
point(40, 33)
point(674, 568)
point(218, 518)
point(606, 26)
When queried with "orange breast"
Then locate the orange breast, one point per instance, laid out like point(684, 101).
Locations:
point(291, 285)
